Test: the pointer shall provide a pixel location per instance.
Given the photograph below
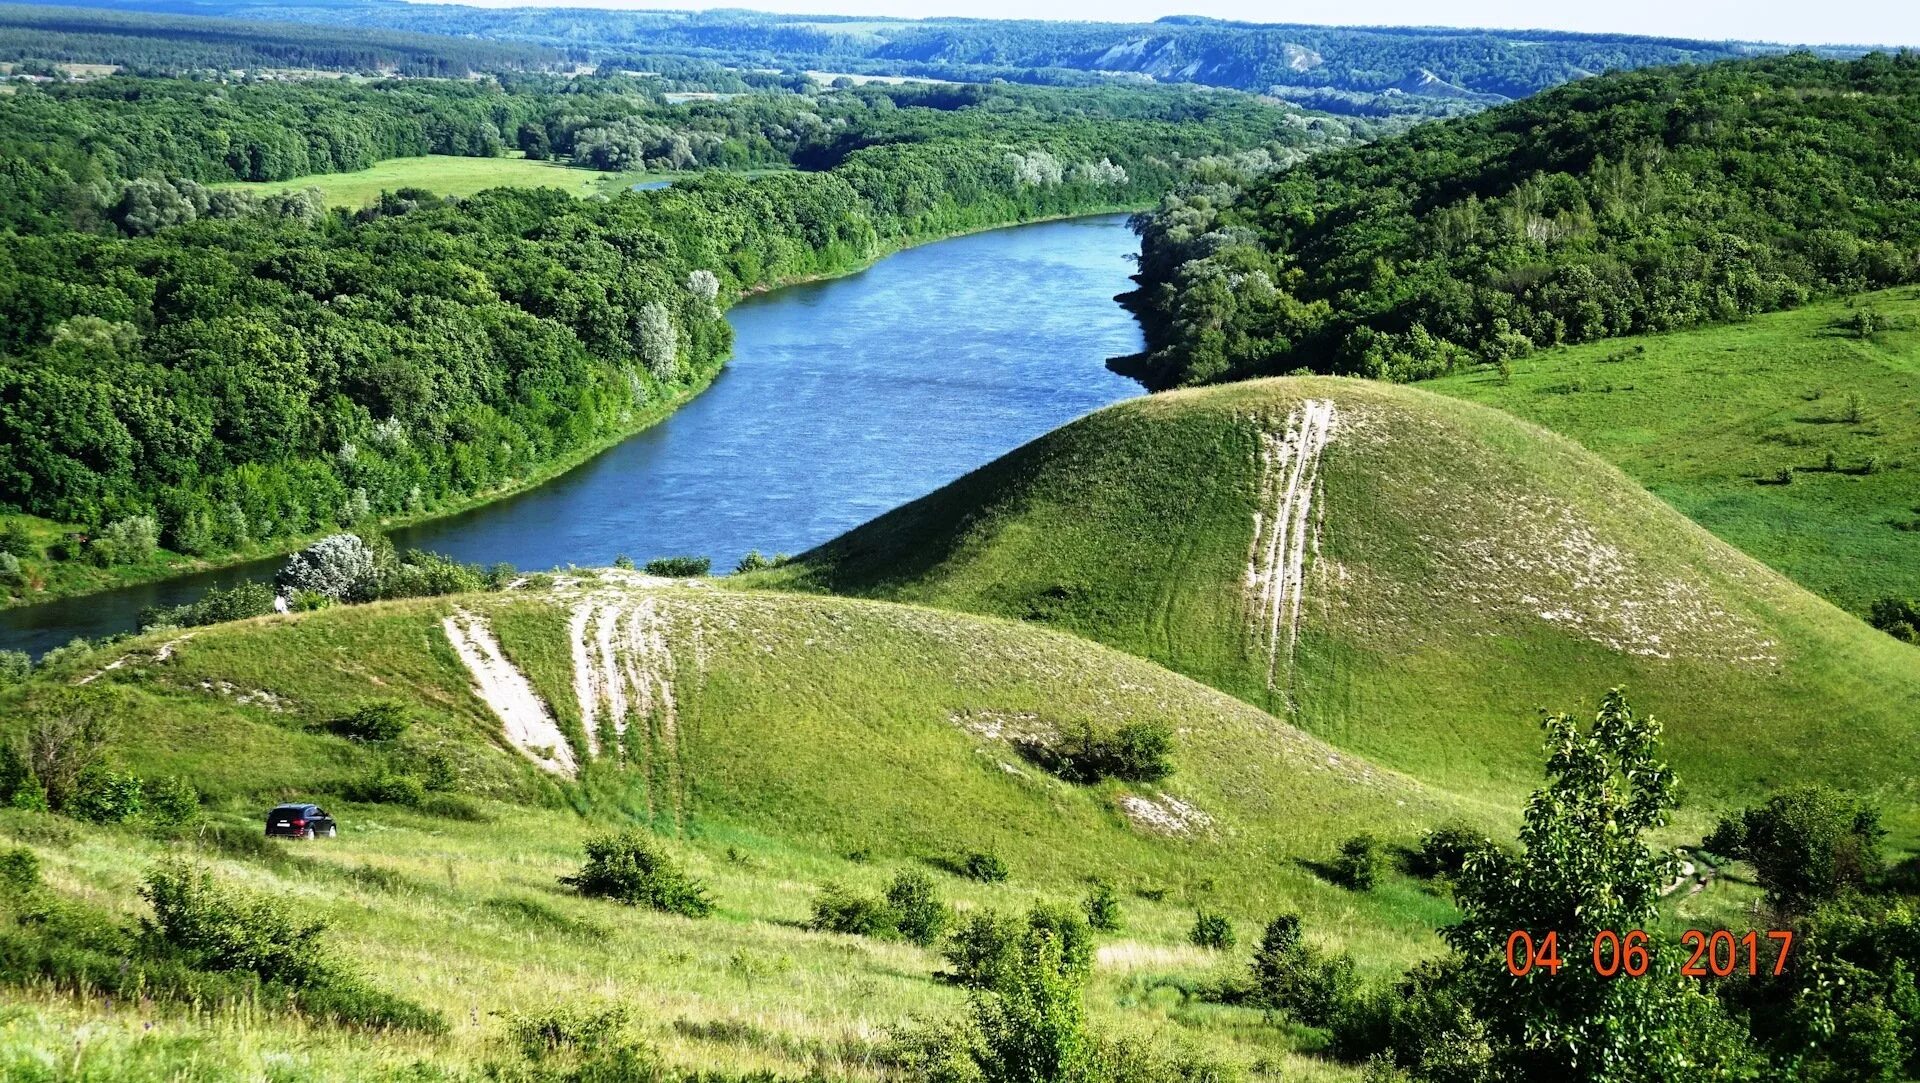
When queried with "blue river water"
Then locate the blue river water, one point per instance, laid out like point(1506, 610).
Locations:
point(844, 399)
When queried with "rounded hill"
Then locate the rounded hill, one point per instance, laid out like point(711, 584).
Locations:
point(1407, 576)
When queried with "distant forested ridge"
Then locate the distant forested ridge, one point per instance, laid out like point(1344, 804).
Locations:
point(224, 374)
point(1633, 202)
point(72, 151)
point(168, 44)
point(1360, 70)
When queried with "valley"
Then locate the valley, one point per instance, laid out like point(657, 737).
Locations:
point(722, 556)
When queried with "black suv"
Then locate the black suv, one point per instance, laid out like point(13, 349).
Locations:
point(300, 822)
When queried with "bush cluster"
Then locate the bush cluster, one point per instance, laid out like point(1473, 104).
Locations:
point(1292, 976)
point(680, 567)
point(909, 910)
point(1212, 931)
point(629, 868)
point(1358, 866)
point(1131, 752)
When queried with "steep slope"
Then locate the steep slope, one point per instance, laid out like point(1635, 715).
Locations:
point(785, 716)
point(774, 743)
point(1406, 576)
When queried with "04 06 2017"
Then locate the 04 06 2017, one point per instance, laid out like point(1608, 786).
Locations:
point(1716, 954)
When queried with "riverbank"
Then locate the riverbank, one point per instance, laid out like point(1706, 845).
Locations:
point(85, 579)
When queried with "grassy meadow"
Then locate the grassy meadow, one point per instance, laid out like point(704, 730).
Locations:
point(1712, 420)
point(452, 175)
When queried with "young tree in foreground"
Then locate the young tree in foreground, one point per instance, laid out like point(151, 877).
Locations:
point(1585, 873)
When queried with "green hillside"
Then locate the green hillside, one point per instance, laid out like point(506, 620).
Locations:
point(1442, 570)
point(770, 737)
point(1709, 419)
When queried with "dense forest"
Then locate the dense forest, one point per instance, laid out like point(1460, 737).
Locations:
point(72, 149)
point(170, 44)
point(1361, 70)
point(208, 372)
point(1634, 202)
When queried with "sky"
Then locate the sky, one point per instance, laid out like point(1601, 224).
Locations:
point(1879, 22)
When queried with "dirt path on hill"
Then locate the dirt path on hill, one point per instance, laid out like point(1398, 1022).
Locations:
point(1285, 530)
point(524, 716)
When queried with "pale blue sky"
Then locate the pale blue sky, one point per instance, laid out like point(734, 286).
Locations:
point(1826, 21)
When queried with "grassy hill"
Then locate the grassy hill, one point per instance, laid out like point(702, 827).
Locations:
point(777, 742)
point(1709, 419)
point(1440, 570)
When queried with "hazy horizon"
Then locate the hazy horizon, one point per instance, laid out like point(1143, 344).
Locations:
point(1850, 22)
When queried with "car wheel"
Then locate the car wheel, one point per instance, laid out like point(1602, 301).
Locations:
point(332, 830)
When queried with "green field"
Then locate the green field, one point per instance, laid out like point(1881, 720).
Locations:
point(1709, 419)
point(452, 176)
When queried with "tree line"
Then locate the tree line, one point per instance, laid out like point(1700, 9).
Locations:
point(1634, 202)
point(170, 44)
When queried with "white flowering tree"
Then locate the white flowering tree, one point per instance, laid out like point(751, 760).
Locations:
point(657, 341)
point(338, 566)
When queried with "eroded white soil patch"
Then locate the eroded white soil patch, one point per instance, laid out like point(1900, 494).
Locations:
point(524, 716)
point(1165, 814)
point(623, 669)
point(1285, 530)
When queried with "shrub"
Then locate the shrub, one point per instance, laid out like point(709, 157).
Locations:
point(1445, 849)
point(126, 541)
point(1898, 617)
point(17, 541)
point(382, 720)
point(19, 870)
point(340, 567)
point(10, 573)
point(1032, 1018)
point(840, 909)
point(680, 567)
point(423, 575)
point(237, 603)
point(981, 865)
point(170, 801)
point(387, 786)
point(980, 947)
point(66, 742)
point(577, 1029)
point(1358, 866)
point(626, 868)
point(918, 913)
point(1807, 845)
point(216, 928)
point(15, 667)
point(1133, 752)
point(106, 797)
point(1103, 908)
point(1212, 931)
point(1290, 976)
point(752, 562)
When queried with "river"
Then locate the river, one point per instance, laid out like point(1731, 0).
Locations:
point(844, 399)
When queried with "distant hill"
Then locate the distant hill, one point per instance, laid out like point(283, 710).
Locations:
point(1632, 202)
point(1374, 70)
point(170, 43)
point(1406, 576)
